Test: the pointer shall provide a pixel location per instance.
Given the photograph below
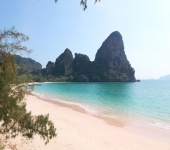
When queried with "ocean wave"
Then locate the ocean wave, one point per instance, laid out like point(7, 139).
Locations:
point(86, 107)
point(152, 122)
point(38, 95)
point(160, 125)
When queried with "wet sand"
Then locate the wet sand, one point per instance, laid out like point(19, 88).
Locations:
point(78, 130)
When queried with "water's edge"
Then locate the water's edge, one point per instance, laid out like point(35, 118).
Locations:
point(149, 130)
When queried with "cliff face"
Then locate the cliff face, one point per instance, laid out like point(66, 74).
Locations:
point(110, 64)
point(63, 64)
point(49, 67)
point(112, 53)
point(80, 64)
point(27, 64)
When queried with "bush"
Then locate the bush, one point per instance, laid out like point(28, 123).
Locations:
point(14, 117)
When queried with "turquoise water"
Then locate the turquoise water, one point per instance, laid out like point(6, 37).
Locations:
point(147, 101)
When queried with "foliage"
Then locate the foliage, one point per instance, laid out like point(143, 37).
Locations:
point(83, 3)
point(96, 69)
point(13, 115)
point(115, 75)
point(83, 71)
point(38, 77)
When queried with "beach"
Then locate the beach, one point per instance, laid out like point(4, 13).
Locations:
point(78, 130)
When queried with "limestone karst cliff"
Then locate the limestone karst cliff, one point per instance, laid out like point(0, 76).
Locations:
point(63, 64)
point(49, 67)
point(112, 53)
point(80, 64)
point(27, 64)
point(110, 65)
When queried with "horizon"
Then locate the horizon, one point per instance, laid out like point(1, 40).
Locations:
point(53, 27)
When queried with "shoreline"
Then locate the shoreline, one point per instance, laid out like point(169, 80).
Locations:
point(76, 129)
point(108, 120)
point(107, 111)
point(142, 128)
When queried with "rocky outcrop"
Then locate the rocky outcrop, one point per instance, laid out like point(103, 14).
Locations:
point(27, 65)
point(63, 64)
point(112, 53)
point(80, 64)
point(110, 64)
point(49, 67)
point(167, 77)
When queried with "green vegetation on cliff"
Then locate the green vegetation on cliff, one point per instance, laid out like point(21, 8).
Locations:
point(27, 64)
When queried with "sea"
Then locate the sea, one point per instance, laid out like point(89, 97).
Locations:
point(146, 102)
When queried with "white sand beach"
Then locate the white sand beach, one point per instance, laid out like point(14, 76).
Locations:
point(77, 130)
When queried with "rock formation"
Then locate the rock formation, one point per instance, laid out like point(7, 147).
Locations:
point(49, 67)
point(110, 65)
point(27, 64)
point(166, 77)
point(63, 64)
point(112, 53)
point(80, 64)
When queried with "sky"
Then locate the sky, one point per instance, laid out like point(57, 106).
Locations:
point(53, 27)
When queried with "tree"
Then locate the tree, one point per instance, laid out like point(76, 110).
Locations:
point(83, 3)
point(14, 118)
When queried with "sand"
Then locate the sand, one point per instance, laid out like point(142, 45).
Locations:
point(78, 130)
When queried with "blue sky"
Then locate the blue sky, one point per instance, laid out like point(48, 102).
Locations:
point(53, 27)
